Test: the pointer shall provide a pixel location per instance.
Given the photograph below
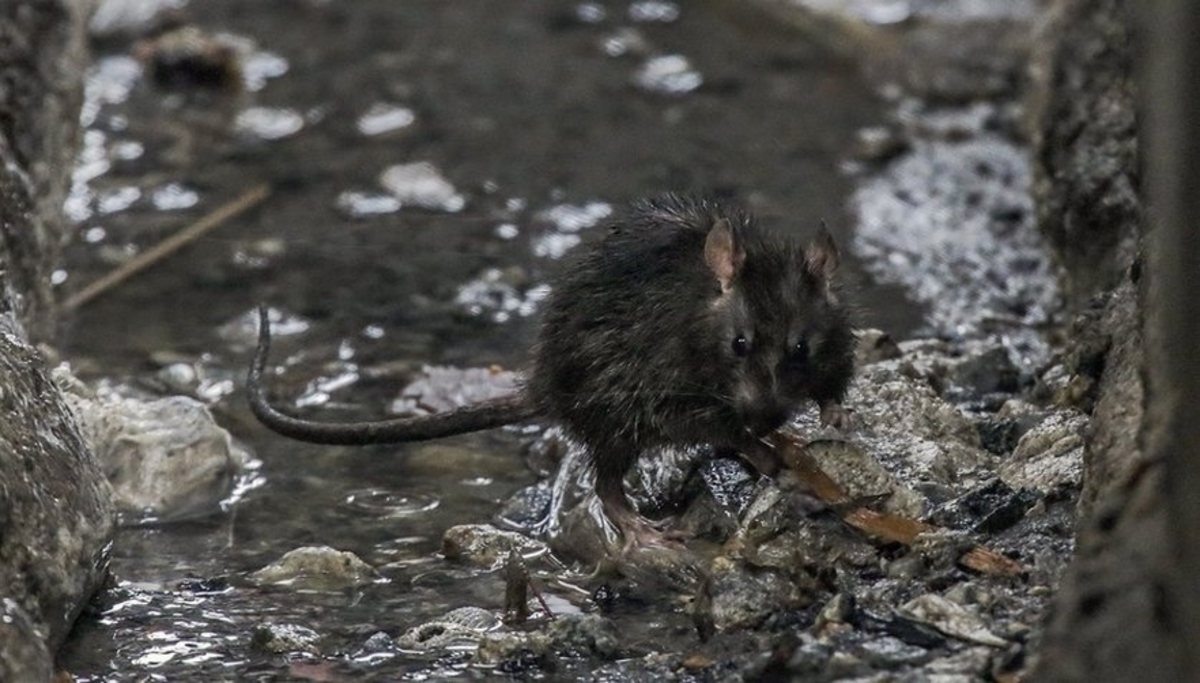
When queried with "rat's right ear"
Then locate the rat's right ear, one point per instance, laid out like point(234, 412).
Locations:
point(821, 256)
point(723, 254)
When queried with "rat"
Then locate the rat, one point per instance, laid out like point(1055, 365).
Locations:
point(687, 324)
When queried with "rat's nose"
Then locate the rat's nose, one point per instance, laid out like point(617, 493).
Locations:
point(767, 419)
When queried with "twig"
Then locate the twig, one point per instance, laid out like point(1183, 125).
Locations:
point(168, 246)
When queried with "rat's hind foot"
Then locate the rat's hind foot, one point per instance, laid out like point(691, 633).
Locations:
point(636, 531)
point(639, 532)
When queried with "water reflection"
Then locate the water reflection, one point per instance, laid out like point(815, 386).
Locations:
point(385, 118)
point(269, 123)
point(422, 184)
point(667, 75)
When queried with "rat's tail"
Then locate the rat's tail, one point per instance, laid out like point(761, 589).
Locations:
point(489, 414)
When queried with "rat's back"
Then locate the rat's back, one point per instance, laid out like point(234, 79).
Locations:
point(628, 349)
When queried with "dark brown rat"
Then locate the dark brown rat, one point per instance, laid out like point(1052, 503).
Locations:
point(687, 324)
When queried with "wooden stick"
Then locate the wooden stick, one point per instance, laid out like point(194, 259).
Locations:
point(168, 246)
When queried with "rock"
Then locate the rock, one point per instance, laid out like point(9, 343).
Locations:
point(908, 428)
point(999, 435)
point(951, 619)
point(892, 653)
point(838, 610)
point(1082, 119)
point(989, 509)
point(167, 458)
point(318, 568)
point(527, 508)
point(377, 642)
point(669, 75)
point(458, 628)
point(483, 545)
point(1113, 449)
point(739, 595)
point(966, 666)
point(965, 372)
point(589, 634)
point(863, 477)
point(56, 510)
point(878, 144)
point(24, 655)
point(805, 660)
point(280, 639)
point(874, 345)
point(1048, 456)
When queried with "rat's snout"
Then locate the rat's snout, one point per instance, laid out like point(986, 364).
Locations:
point(761, 408)
point(765, 417)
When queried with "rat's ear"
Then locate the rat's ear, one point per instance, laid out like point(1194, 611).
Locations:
point(723, 254)
point(821, 256)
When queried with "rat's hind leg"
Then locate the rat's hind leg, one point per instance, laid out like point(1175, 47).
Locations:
point(636, 530)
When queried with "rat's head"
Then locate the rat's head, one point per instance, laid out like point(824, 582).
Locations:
point(784, 337)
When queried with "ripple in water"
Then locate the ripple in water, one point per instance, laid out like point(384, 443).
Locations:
point(384, 503)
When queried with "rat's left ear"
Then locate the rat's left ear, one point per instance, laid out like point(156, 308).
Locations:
point(821, 256)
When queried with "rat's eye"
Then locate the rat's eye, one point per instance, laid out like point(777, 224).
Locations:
point(800, 348)
point(740, 346)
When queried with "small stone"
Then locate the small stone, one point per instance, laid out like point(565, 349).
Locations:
point(483, 545)
point(875, 345)
point(458, 628)
point(378, 642)
point(951, 619)
point(999, 435)
point(741, 595)
point(989, 509)
point(527, 508)
point(570, 634)
point(284, 638)
point(890, 652)
point(317, 568)
point(839, 609)
point(1048, 456)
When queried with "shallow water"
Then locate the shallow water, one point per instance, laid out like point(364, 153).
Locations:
point(430, 163)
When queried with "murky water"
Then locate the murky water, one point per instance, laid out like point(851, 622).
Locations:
point(430, 163)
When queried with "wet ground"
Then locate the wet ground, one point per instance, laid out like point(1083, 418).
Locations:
point(532, 122)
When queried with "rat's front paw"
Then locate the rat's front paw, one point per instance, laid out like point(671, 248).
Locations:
point(834, 415)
